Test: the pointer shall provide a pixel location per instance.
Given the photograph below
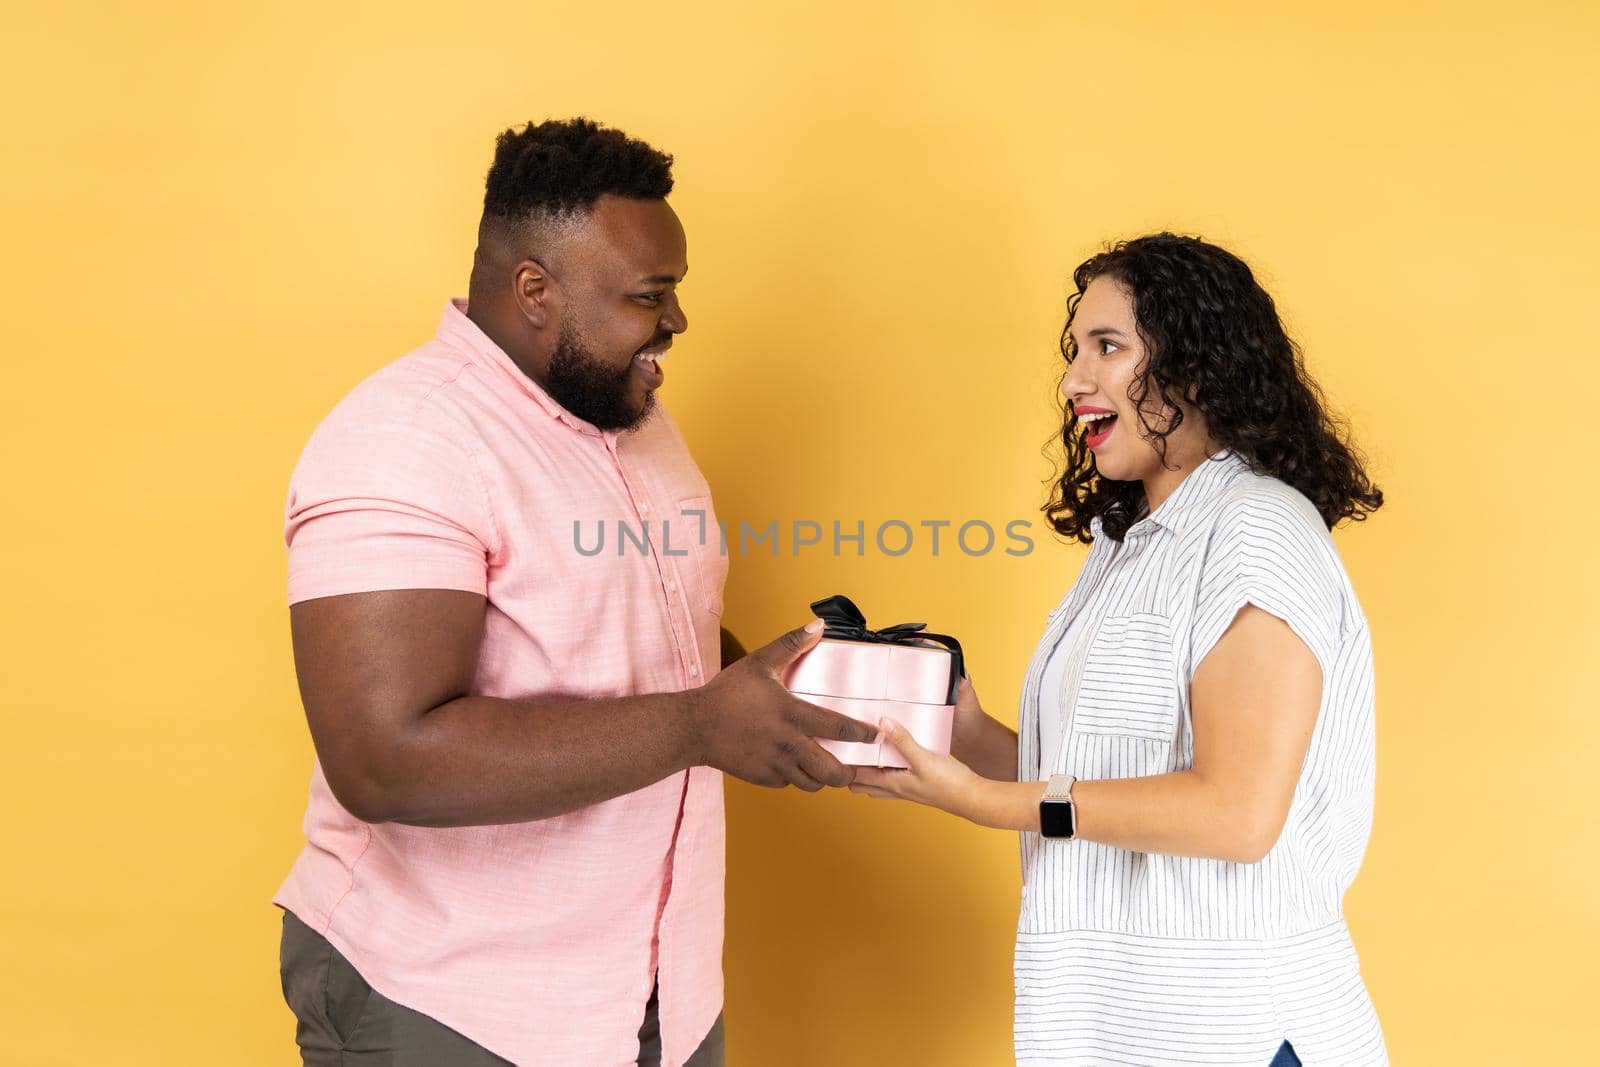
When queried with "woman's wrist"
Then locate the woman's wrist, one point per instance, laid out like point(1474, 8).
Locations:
point(966, 730)
point(985, 744)
point(1002, 805)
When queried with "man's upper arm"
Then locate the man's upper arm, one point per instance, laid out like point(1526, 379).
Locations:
point(389, 535)
point(370, 666)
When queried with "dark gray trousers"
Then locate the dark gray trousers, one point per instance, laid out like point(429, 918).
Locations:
point(342, 1022)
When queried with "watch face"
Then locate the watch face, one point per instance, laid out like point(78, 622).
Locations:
point(1055, 819)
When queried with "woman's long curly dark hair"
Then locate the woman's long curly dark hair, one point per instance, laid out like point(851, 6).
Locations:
point(1211, 332)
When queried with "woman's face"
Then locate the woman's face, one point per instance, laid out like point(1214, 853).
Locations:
point(1111, 362)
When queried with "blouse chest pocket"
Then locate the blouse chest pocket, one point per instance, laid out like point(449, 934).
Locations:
point(1128, 686)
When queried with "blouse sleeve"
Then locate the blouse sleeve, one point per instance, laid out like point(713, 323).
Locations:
point(1271, 550)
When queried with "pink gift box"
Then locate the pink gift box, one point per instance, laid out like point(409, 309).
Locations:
point(875, 674)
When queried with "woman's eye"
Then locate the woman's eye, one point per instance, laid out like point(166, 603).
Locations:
point(1107, 347)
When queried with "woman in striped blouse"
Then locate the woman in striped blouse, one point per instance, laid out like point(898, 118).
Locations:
point(1203, 694)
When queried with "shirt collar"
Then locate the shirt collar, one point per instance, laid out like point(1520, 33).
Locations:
point(459, 331)
point(1198, 487)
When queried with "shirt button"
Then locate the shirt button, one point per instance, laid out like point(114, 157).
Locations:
point(645, 506)
point(694, 672)
point(672, 587)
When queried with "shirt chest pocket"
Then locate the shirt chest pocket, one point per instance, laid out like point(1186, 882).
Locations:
point(1128, 687)
point(704, 566)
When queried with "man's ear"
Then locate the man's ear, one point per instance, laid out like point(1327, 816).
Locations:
point(536, 294)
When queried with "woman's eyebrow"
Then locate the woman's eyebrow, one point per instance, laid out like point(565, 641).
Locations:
point(1103, 331)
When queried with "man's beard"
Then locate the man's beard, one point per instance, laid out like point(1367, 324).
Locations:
point(592, 391)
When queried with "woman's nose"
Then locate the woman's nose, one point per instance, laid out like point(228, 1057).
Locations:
point(1073, 385)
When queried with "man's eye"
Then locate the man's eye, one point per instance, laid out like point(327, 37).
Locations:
point(650, 298)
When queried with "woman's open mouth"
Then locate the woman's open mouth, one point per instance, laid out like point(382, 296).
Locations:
point(1097, 428)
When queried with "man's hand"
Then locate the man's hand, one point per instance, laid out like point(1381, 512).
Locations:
point(747, 724)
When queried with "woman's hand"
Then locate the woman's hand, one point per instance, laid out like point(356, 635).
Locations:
point(969, 715)
point(942, 782)
point(987, 746)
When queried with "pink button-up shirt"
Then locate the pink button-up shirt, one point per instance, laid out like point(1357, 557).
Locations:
point(451, 469)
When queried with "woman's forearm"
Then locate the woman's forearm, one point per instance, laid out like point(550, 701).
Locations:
point(986, 745)
point(1178, 814)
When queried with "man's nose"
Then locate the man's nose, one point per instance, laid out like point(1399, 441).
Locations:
point(673, 318)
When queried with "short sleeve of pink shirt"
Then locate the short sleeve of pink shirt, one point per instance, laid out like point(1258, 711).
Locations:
point(387, 499)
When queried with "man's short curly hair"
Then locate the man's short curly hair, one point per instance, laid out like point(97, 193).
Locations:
point(561, 167)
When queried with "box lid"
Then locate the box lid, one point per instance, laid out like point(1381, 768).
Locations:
point(917, 674)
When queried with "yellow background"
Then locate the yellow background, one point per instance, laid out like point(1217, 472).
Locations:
point(219, 218)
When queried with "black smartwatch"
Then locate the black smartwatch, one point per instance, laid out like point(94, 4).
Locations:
point(1057, 816)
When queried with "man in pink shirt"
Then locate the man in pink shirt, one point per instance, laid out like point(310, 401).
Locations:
point(514, 837)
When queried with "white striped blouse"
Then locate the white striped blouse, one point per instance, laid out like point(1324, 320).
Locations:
point(1135, 958)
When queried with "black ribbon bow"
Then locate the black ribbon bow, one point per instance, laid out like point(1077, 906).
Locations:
point(843, 621)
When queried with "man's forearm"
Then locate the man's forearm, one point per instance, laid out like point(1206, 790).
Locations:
point(482, 760)
point(732, 650)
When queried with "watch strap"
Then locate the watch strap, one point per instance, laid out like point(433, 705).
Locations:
point(1060, 787)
